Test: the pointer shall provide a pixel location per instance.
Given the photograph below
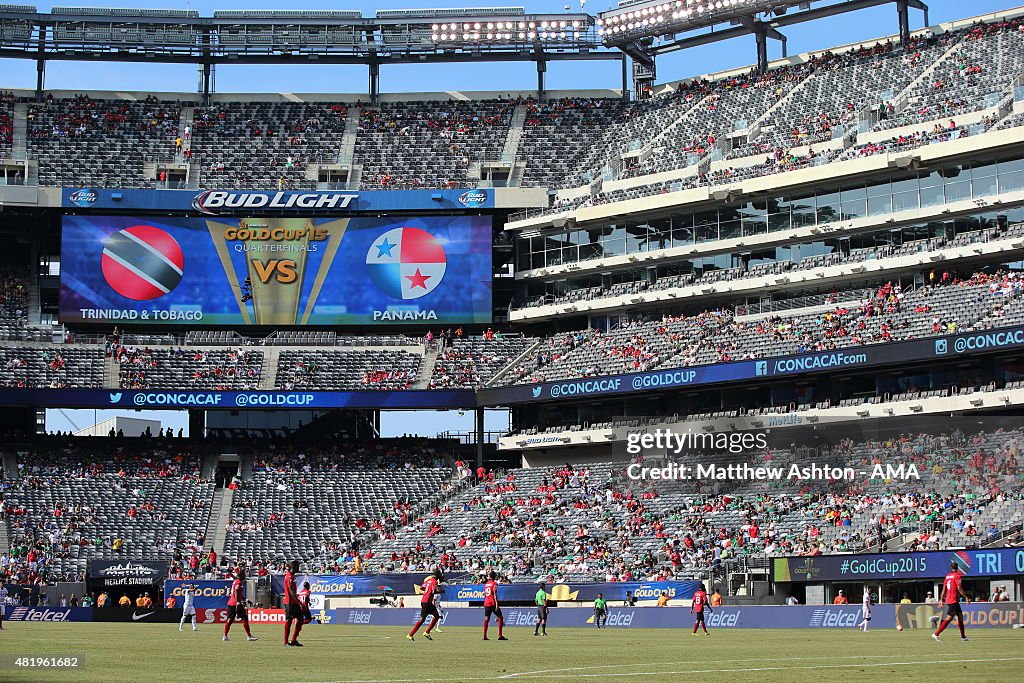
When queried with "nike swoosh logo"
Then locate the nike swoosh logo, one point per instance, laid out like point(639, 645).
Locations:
point(136, 616)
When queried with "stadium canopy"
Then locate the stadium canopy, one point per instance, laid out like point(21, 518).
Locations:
point(420, 36)
point(644, 29)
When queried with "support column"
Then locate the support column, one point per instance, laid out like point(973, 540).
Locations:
point(196, 424)
point(207, 73)
point(903, 9)
point(41, 63)
point(40, 78)
point(479, 414)
point(374, 83)
point(542, 67)
point(762, 49)
point(625, 78)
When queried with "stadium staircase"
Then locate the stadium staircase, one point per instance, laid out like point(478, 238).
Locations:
point(111, 372)
point(515, 133)
point(9, 470)
point(5, 541)
point(757, 127)
point(9, 464)
point(268, 373)
point(220, 514)
point(19, 149)
point(655, 142)
point(347, 150)
point(427, 367)
point(525, 355)
point(902, 99)
point(187, 118)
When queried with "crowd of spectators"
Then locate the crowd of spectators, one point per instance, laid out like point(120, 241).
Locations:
point(6, 117)
point(592, 522)
point(716, 336)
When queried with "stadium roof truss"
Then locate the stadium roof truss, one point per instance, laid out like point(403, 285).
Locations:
point(644, 29)
point(300, 37)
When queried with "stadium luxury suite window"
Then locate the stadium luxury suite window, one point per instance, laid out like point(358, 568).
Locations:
point(922, 190)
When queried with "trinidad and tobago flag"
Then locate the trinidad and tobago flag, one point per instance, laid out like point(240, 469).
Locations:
point(406, 263)
point(964, 560)
point(142, 262)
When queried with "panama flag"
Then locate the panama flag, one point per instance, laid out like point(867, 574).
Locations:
point(406, 263)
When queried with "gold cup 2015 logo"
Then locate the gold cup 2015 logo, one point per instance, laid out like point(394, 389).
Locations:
point(277, 262)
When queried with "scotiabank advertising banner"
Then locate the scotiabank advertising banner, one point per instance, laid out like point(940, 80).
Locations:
point(214, 270)
point(258, 616)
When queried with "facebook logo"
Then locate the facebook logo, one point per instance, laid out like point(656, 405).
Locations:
point(941, 347)
point(761, 368)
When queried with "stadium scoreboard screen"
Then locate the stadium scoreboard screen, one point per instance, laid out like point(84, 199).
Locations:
point(280, 271)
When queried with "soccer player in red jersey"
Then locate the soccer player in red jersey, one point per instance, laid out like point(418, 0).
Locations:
point(699, 604)
point(491, 606)
point(236, 606)
point(292, 606)
point(950, 597)
point(304, 596)
point(427, 606)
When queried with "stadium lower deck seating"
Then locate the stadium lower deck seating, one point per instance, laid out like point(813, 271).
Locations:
point(591, 522)
point(82, 499)
point(395, 506)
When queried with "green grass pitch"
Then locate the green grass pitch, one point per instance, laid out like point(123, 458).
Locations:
point(116, 653)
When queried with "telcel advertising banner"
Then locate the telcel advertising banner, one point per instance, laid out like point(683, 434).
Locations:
point(276, 271)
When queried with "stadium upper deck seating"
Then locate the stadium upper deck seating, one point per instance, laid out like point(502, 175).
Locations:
point(428, 144)
point(794, 115)
point(85, 141)
point(265, 145)
point(6, 123)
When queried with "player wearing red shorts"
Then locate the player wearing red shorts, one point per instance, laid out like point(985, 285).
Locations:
point(292, 606)
point(699, 604)
point(236, 606)
point(491, 606)
point(427, 606)
point(950, 597)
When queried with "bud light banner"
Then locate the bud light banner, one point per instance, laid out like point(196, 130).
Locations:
point(288, 202)
point(276, 271)
point(209, 594)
